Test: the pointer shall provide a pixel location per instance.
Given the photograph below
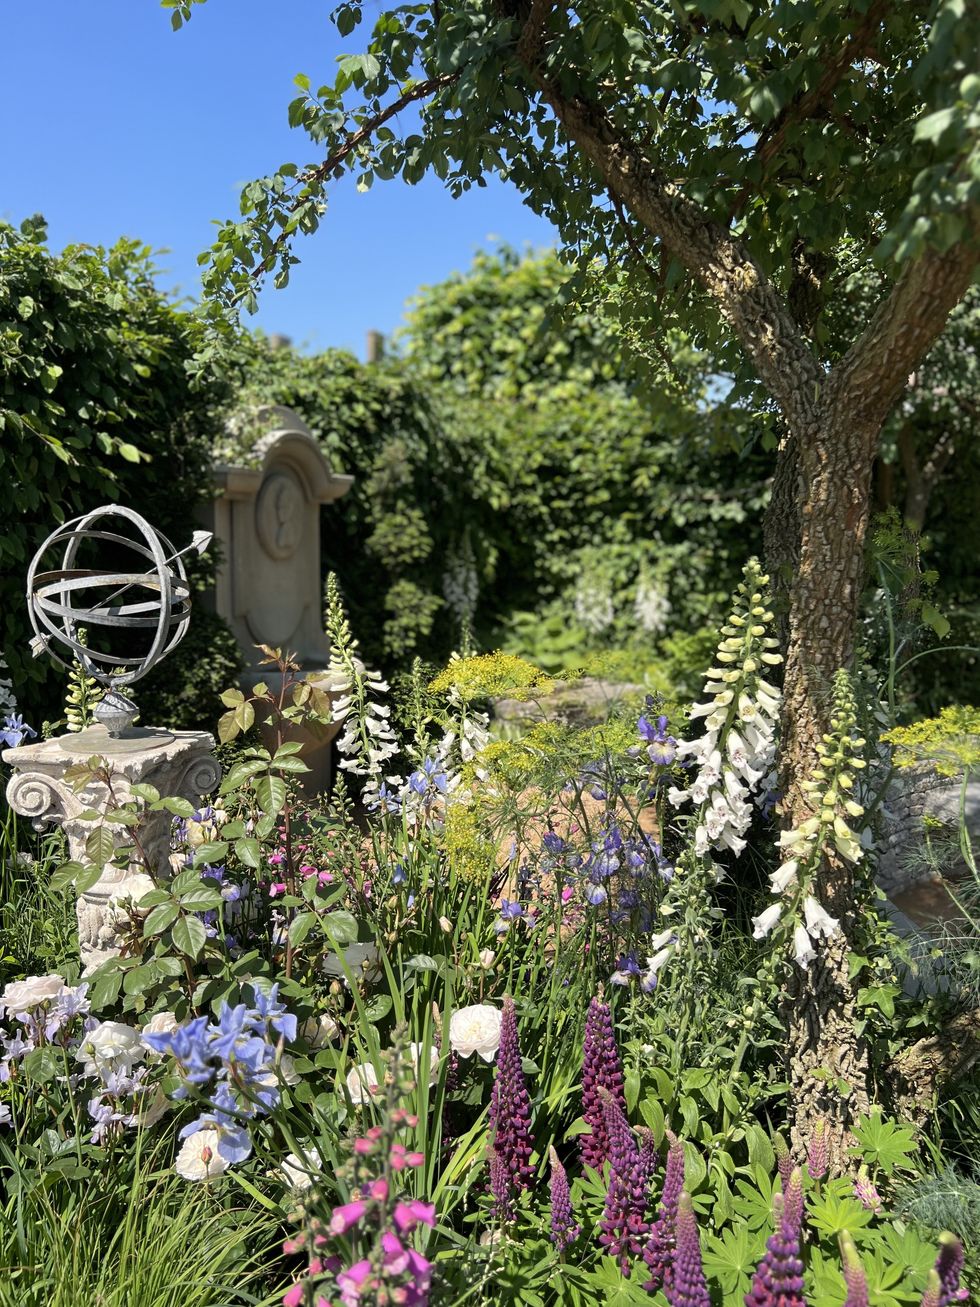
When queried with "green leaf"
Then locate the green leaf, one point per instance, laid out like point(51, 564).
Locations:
point(249, 852)
point(189, 935)
point(159, 919)
point(271, 794)
point(100, 846)
point(341, 927)
point(300, 927)
point(200, 900)
point(211, 853)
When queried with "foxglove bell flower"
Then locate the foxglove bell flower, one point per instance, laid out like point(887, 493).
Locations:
point(740, 716)
point(601, 1069)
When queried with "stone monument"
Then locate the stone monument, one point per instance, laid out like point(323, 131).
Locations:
point(270, 485)
point(115, 603)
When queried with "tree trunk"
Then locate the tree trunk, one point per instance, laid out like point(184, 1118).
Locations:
point(827, 1061)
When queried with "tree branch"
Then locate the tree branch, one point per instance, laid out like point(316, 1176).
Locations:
point(835, 65)
point(333, 161)
point(747, 299)
point(875, 370)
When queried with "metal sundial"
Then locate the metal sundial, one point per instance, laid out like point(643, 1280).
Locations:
point(146, 595)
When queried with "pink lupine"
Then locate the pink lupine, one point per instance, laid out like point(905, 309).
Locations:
point(854, 1277)
point(601, 1069)
point(816, 1162)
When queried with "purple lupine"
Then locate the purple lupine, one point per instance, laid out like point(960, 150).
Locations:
point(793, 1203)
point(816, 1161)
point(854, 1277)
point(500, 1186)
point(687, 1286)
point(624, 1223)
point(510, 1110)
point(659, 1252)
point(564, 1230)
point(778, 1280)
point(949, 1268)
point(601, 1069)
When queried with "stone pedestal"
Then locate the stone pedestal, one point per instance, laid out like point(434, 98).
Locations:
point(269, 584)
point(178, 764)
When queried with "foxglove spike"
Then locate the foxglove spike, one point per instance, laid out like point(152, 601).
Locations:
point(687, 1287)
point(659, 1252)
point(601, 1069)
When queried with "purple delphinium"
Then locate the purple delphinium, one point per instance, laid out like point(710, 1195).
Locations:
point(659, 1252)
point(778, 1280)
point(564, 1229)
point(949, 1268)
point(601, 1069)
point(687, 1286)
point(624, 1223)
point(510, 1112)
point(854, 1277)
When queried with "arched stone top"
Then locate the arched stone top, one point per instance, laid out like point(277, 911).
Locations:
point(285, 442)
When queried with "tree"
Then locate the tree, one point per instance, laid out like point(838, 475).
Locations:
point(716, 154)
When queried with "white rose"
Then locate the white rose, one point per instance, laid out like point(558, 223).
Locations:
point(361, 1079)
point(358, 957)
point(319, 1030)
point(416, 1052)
point(162, 1023)
point(36, 991)
point(111, 1046)
point(199, 1158)
point(300, 1172)
point(475, 1029)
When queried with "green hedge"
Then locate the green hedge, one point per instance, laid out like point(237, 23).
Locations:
point(95, 407)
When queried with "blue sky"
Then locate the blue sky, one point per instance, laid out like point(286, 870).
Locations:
point(114, 125)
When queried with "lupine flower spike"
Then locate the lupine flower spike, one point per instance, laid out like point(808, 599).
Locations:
point(563, 1227)
point(933, 1294)
point(854, 1277)
point(816, 1162)
point(949, 1268)
point(624, 1222)
point(510, 1116)
point(659, 1252)
point(783, 1160)
point(687, 1287)
point(601, 1069)
point(778, 1280)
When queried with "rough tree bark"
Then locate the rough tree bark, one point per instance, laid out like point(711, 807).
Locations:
point(816, 526)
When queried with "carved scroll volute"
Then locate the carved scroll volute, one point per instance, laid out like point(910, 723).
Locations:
point(40, 798)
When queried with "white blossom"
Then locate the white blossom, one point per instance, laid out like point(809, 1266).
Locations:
point(200, 1156)
point(110, 1046)
point(765, 921)
point(651, 608)
point(361, 1080)
point(819, 922)
point(476, 1029)
point(802, 947)
point(24, 996)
